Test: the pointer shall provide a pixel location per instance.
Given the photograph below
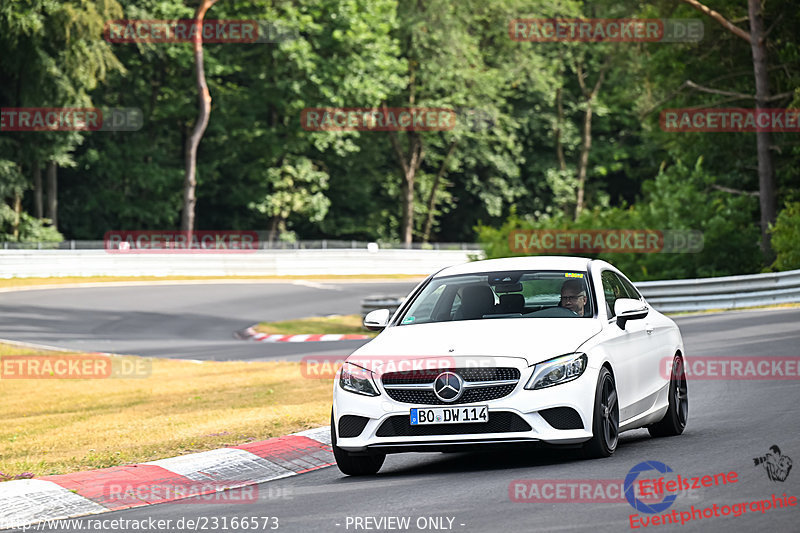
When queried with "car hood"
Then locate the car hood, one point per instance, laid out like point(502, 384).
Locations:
point(533, 339)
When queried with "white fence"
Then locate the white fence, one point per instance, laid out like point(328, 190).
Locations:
point(79, 263)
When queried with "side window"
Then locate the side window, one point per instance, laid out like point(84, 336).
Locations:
point(456, 305)
point(422, 313)
point(613, 289)
point(630, 289)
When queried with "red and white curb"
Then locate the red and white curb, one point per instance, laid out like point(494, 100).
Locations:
point(30, 501)
point(251, 334)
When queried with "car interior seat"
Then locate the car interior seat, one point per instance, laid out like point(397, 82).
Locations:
point(511, 303)
point(476, 301)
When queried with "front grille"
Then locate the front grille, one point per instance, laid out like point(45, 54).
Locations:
point(499, 422)
point(562, 418)
point(467, 374)
point(471, 395)
point(352, 425)
point(427, 397)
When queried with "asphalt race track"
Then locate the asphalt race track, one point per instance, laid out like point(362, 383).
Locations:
point(188, 321)
point(731, 422)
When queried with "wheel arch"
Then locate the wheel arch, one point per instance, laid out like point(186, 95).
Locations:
point(607, 364)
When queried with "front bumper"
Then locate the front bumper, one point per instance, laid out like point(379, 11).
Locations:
point(513, 419)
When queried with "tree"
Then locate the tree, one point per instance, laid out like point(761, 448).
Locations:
point(786, 237)
point(766, 173)
point(53, 56)
point(204, 101)
point(458, 56)
point(297, 187)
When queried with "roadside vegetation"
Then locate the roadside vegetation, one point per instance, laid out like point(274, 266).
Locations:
point(548, 134)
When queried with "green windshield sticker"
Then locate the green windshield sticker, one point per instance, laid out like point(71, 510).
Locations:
point(573, 275)
point(408, 320)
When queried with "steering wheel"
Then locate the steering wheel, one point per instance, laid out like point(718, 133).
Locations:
point(568, 312)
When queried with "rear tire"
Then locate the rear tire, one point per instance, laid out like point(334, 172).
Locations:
point(677, 414)
point(355, 465)
point(605, 422)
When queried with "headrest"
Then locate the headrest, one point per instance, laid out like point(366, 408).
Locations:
point(515, 303)
point(476, 301)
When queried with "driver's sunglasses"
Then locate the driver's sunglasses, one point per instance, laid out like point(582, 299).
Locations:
point(572, 298)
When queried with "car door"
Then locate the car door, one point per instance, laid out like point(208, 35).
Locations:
point(631, 348)
point(659, 335)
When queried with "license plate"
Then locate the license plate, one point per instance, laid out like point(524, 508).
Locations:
point(449, 415)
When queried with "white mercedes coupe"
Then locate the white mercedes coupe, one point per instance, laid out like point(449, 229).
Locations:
point(554, 350)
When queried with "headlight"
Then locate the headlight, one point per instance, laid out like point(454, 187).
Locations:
point(557, 371)
point(358, 380)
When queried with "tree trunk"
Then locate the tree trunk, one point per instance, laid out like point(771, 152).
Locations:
point(583, 162)
point(766, 172)
point(586, 144)
point(562, 163)
point(273, 228)
point(409, 164)
point(17, 215)
point(52, 193)
point(38, 205)
point(204, 97)
point(432, 197)
point(408, 206)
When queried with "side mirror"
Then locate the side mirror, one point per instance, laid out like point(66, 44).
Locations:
point(377, 320)
point(629, 309)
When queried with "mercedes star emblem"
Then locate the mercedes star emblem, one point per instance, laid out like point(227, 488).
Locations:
point(448, 386)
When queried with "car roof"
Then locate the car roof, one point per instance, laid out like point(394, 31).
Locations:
point(539, 262)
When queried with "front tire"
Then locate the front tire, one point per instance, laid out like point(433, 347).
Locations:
point(355, 465)
point(677, 414)
point(605, 422)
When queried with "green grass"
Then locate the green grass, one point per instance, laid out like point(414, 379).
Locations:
point(706, 311)
point(320, 325)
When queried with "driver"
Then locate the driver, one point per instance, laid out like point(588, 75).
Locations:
point(573, 296)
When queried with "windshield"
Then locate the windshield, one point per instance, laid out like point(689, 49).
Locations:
point(493, 295)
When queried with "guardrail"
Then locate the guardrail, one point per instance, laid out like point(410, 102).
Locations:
point(728, 292)
point(371, 303)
